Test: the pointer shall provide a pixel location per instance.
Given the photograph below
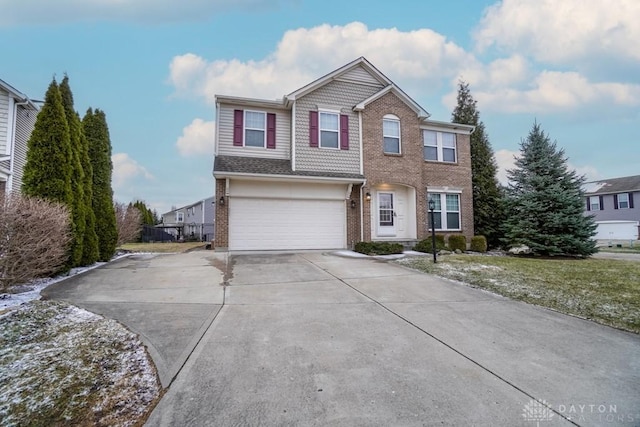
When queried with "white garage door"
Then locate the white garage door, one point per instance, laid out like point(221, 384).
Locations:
point(278, 224)
point(617, 230)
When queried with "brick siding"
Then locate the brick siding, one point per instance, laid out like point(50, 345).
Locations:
point(409, 168)
point(221, 240)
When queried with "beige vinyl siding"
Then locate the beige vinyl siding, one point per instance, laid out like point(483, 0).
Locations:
point(336, 95)
point(25, 121)
point(4, 118)
point(225, 134)
point(359, 74)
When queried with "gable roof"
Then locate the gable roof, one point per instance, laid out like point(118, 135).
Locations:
point(15, 93)
point(360, 62)
point(400, 94)
point(614, 185)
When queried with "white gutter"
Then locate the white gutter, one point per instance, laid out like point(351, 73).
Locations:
point(361, 142)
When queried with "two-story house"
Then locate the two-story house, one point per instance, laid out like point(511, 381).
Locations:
point(349, 157)
point(17, 118)
point(192, 222)
point(611, 202)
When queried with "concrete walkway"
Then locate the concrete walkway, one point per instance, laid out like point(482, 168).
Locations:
point(316, 339)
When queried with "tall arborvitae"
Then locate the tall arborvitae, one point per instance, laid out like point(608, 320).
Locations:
point(78, 207)
point(487, 199)
point(97, 133)
point(47, 172)
point(546, 202)
point(90, 251)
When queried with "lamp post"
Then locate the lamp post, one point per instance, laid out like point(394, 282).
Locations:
point(432, 206)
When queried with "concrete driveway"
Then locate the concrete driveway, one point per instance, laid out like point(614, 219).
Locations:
point(317, 339)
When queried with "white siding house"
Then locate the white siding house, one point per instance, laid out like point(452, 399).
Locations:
point(191, 222)
point(17, 119)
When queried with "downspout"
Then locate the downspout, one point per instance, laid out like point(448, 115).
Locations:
point(12, 142)
point(293, 137)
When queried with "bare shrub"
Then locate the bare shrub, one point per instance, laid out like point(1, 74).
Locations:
point(128, 222)
point(34, 239)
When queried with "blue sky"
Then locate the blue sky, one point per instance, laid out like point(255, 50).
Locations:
point(154, 67)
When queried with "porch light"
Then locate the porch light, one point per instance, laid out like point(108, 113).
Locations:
point(353, 204)
point(221, 201)
point(368, 197)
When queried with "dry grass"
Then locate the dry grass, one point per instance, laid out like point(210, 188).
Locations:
point(606, 291)
point(160, 247)
point(61, 365)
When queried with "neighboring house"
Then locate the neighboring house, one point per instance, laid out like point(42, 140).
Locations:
point(191, 222)
point(17, 118)
point(349, 157)
point(613, 202)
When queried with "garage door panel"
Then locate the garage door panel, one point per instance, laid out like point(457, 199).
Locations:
point(268, 224)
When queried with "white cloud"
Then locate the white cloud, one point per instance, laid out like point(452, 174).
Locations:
point(147, 11)
point(197, 138)
point(563, 32)
point(421, 59)
point(554, 91)
point(506, 161)
point(125, 168)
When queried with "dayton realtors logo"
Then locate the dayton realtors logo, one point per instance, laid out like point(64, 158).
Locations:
point(537, 411)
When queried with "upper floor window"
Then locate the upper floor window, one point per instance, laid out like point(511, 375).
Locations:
point(391, 134)
point(179, 216)
point(329, 129)
point(446, 214)
point(255, 129)
point(594, 203)
point(623, 201)
point(439, 146)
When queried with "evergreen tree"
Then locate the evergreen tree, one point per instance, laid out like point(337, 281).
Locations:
point(545, 202)
point(487, 198)
point(47, 172)
point(145, 212)
point(97, 133)
point(90, 252)
point(78, 207)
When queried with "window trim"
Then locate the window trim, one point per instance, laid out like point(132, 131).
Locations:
point(625, 201)
point(444, 211)
point(594, 206)
point(440, 146)
point(245, 128)
point(180, 216)
point(394, 119)
point(320, 129)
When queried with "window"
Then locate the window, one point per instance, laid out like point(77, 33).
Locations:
point(623, 201)
point(179, 216)
point(594, 203)
point(254, 129)
point(385, 210)
point(446, 215)
point(391, 134)
point(439, 146)
point(329, 130)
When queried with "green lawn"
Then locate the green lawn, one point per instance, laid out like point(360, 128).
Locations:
point(606, 291)
point(168, 247)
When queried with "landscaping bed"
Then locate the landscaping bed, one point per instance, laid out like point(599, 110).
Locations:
point(603, 290)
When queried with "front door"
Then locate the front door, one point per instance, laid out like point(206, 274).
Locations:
point(386, 214)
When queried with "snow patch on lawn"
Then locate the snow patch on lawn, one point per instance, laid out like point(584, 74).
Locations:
point(62, 364)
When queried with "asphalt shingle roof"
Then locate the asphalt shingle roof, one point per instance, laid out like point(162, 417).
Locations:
point(614, 185)
point(256, 165)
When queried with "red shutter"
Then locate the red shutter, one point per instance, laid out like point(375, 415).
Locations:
point(344, 132)
point(630, 200)
point(588, 203)
point(271, 130)
point(615, 201)
point(601, 203)
point(238, 127)
point(313, 128)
